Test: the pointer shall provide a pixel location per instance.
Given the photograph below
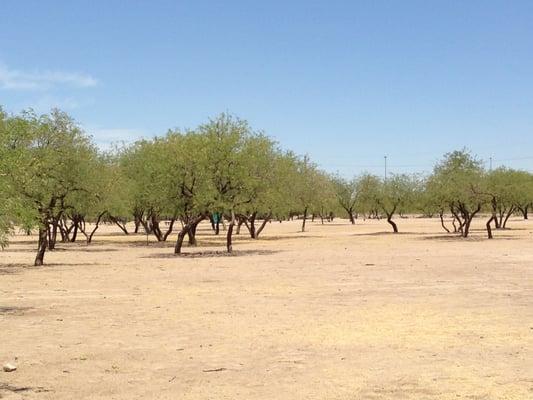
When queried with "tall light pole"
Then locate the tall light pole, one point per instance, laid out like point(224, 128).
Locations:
point(490, 164)
point(385, 157)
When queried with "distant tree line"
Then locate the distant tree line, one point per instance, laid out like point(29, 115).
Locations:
point(53, 179)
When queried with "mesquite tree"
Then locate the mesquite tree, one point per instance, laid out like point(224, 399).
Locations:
point(394, 194)
point(502, 189)
point(107, 199)
point(147, 166)
point(269, 185)
point(367, 187)
point(49, 161)
point(522, 182)
point(230, 144)
point(305, 188)
point(190, 182)
point(6, 209)
point(346, 194)
point(458, 181)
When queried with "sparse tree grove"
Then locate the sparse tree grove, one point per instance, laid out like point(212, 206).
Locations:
point(55, 181)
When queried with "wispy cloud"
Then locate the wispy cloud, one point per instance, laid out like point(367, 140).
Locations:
point(13, 79)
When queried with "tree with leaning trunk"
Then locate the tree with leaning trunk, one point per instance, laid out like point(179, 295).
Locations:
point(458, 181)
point(107, 199)
point(232, 148)
point(190, 181)
point(503, 187)
point(148, 166)
point(522, 184)
point(306, 179)
point(49, 161)
point(367, 187)
point(346, 194)
point(269, 185)
point(394, 194)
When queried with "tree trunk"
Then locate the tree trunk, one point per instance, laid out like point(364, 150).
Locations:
point(304, 219)
point(169, 230)
point(509, 213)
point(442, 222)
point(97, 224)
point(251, 227)
point(74, 233)
point(120, 224)
point(184, 231)
point(179, 241)
point(466, 227)
point(393, 224)
point(239, 224)
point(52, 234)
point(524, 211)
point(146, 226)
point(229, 235)
point(154, 221)
point(63, 231)
point(489, 230)
point(137, 219)
point(350, 215)
point(43, 244)
point(468, 220)
point(498, 221)
point(262, 226)
point(192, 235)
point(494, 204)
point(459, 220)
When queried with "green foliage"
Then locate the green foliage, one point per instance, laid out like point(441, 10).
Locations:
point(398, 193)
point(346, 193)
point(46, 160)
point(51, 172)
point(368, 191)
point(458, 181)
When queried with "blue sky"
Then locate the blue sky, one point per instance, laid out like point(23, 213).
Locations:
point(346, 82)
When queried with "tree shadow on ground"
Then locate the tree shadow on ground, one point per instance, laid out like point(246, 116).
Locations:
point(214, 254)
point(11, 250)
point(9, 269)
point(13, 310)
point(385, 233)
point(13, 268)
point(268, 238)
point(457, 238)
point(87, 249)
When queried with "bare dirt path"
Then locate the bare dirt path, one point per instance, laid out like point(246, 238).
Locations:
point(340, 312)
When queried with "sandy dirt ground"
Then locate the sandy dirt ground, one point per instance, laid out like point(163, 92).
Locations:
point(340, 312)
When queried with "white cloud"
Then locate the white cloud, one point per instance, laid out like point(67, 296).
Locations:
point(42, 80)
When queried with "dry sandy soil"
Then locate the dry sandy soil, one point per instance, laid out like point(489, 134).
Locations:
point(340, 312)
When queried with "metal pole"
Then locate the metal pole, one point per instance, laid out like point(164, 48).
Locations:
point(385, 157)
point(490, 164)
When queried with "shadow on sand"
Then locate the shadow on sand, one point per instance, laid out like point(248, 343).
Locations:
point(17, 311)
point(385, 233)
point(453, 237)
point(214, 254)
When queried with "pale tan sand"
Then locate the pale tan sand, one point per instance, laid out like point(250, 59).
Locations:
point(340, 312)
